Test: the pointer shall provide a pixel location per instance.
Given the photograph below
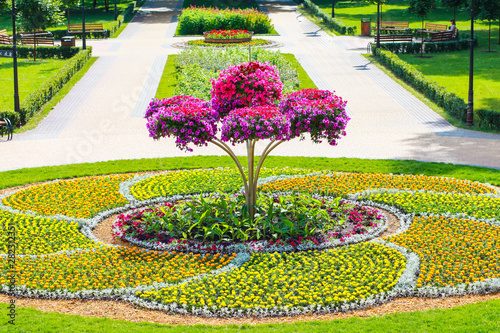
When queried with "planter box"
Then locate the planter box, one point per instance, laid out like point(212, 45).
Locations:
point(227, 41)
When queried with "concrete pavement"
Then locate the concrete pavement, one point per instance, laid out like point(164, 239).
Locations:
point(100, 119)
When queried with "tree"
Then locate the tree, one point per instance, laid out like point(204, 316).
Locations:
point(487, 10)
point(421, 8)
point(4, 5)
point(243, 111)
point(38, 15)
point(68, 4)
point(454, 4)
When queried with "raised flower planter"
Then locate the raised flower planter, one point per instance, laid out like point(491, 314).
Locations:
point(228, 36)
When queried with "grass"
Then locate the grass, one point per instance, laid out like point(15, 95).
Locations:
point(31, 76)
point(32, 175)
point(453, 121)
point(453, 73)
point(49, 106)
point(351, 13)
point(480, 317)
point(168, 79)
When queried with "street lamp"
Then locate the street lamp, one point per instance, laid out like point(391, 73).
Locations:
point(84, 44)
point(14, 58)
point(378, 24)
point(470, 105)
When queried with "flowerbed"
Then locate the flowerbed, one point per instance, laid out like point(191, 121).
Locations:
point(198, 181)
point(452, 251)
point(253, 42)
point(347, 183)
point(448, 254)
point(221, 223)
point(277, 283)
point(80, 198)
point(228, 35)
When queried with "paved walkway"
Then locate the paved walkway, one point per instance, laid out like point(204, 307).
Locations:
point(100, 119)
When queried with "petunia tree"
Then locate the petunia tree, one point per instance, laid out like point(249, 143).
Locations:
point(248, 106)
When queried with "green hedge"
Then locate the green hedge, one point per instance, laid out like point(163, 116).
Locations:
point(450, 102)
point(195, 21)
point(43, 52)
point(414, 48)
point(336, 24)
point(34, 102)
point(489, 118)
point(13, 116)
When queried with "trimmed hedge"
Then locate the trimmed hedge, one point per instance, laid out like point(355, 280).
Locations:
point(489, 118)
point(34, 102)
point(414, 48)
point(336, 24)
point(196, 21)
point(43, 52)
point(450, 102)
point(13, 116)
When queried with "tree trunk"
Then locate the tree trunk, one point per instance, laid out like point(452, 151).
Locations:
point(106, 5)
point(67, 9)
point(94, 4)
point(422, 48)
point(34, 45)
point(455, 13)
point(489, 35)
point(333, 8)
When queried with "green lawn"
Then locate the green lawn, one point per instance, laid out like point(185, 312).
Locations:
point(32, 75)
point(453, 73)
point(351, 13)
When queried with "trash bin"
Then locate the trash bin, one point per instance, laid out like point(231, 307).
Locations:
point(68, 41)
point(365, 26)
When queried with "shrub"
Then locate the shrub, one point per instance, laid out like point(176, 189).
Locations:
point(414, 48)
point(13, 116)
point(43, 52)
point(334, 23)
point(34, 102)
point(489, 118)
point(196, 21)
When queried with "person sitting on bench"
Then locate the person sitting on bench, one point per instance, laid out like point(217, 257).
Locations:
point(453, 28)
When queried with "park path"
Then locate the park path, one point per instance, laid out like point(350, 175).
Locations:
point(101, 118)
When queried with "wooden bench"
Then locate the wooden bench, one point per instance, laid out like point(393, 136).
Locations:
point(38, 40)
point(5, 39)
point(444, 36)
point(3, 32)
point(5, 125)
point(394, 38)
point(392, 26)
point(435, 27)
point(89, 27)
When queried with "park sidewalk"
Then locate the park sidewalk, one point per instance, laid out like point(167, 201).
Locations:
point(101, 118)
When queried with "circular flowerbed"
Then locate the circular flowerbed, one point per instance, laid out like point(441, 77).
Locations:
point(447, 244)
point(259, 42)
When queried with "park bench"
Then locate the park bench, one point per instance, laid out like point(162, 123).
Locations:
point(429, 27)
point(6, 126)
point(444, 36)
point(89, 27)
point(392, 26)
point(5, 39)
point(38, 40)
point(405, 38)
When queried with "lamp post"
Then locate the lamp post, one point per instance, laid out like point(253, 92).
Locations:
point(470, 105)
point(14, 58)
point(84, 44)
point(378, 24)
point(116, 12)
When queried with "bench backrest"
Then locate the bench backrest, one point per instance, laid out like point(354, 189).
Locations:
point(39, 40)
point(395, 38)
point(5, 40)
point(445, 35)
point(435, 27)
point(3, 32)
point(393, 24)
point(88, 26)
